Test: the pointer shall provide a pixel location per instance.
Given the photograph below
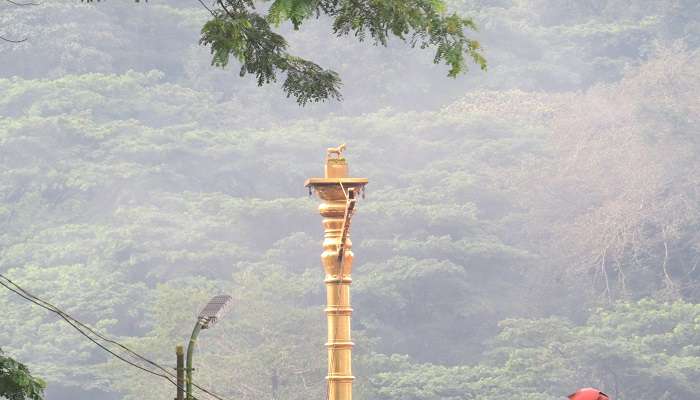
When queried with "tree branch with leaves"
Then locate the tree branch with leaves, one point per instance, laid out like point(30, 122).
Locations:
point(16, 383)
point(236, 29)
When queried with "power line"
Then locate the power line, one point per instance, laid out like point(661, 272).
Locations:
point(76, 324)
point(68, 320)
point(73, 322)
point(65, 315)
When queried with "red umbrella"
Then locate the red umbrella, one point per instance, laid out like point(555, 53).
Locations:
point(588, 394)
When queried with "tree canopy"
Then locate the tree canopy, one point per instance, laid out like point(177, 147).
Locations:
point(16, 383)
point(236, 29)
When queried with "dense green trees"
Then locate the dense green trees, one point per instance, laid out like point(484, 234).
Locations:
point(16, 383)
point(643, 350)
point(514, 242)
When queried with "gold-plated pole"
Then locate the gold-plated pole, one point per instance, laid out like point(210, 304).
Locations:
point(338, 195)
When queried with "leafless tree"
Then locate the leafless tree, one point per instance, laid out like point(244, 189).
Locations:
point(18, 4)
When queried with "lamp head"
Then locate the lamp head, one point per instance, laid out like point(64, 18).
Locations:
point(214, 310)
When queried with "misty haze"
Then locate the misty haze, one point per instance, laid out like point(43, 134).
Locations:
point(527, 230)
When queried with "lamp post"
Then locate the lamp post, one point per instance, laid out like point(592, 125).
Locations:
point(208, 317)
point(338, 194)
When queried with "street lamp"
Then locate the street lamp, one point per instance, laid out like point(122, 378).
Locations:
point(208, 317)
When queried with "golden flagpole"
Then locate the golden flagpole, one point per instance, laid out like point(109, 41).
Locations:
point(338, 194)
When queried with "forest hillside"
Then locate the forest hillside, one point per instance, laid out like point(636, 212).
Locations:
point(527, 230)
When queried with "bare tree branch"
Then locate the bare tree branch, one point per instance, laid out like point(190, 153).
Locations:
point(205, 6)
point(22, 4)
point(11, 41)
point(4, 39)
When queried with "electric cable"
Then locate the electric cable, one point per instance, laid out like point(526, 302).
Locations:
point(73, 322)
point(30, 297)
point(84, 334)
point(62, 313)
point(76, 324)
